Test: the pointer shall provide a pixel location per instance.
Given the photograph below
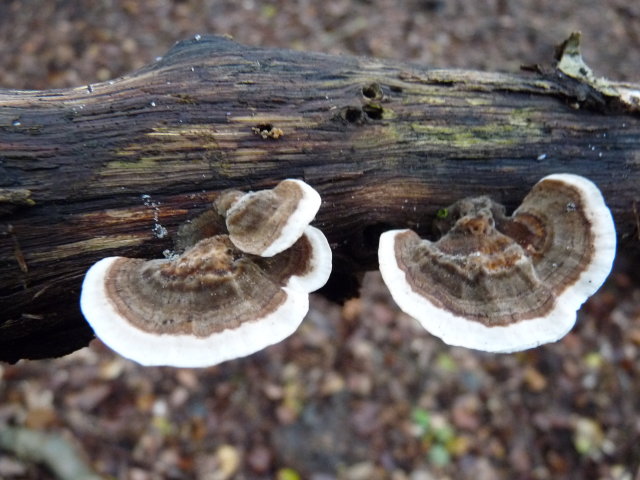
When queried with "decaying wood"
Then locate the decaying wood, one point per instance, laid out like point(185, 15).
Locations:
point(115, 168)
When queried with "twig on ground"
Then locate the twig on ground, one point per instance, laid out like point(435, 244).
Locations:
point(52, 450)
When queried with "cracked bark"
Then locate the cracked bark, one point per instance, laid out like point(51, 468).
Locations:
point(115, 168)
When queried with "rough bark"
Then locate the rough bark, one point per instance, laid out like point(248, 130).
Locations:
point(109, 169)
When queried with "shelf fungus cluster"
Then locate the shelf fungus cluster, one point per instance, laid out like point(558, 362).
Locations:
point(227, 296)
point(503, 283)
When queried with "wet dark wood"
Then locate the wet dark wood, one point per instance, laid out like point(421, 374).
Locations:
point(114, 168)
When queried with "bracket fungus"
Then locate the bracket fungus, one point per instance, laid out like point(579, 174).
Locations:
point(269, 221)
point(213, 303)
point(503, 283)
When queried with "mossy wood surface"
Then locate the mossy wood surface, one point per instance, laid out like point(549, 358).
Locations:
point(115, 168)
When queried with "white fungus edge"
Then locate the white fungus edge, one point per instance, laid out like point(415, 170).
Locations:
point(604, 239)
point(321, 263)
point(459, 331)
point(190, 351)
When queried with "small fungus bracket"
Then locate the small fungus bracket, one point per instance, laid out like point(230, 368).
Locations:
point(269, 221)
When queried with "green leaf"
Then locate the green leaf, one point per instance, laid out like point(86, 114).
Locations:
point(438, 455)
point(288, 474)
point(421, 418)
point(444, 434)
point(446, 362)
point(442, 213)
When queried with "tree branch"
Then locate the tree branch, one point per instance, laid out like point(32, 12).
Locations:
point(110, 168)
point(54, 451)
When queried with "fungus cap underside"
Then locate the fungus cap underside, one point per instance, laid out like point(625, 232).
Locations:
point(211, 304)
point(267, 222)
point(500, 283)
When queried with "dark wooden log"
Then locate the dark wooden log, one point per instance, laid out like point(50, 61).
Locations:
point(115, 168)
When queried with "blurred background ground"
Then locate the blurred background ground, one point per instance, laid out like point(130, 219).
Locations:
point(360, 391)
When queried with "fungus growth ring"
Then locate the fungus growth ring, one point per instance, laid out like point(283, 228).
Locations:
point(505, 283)
point(214, 302)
